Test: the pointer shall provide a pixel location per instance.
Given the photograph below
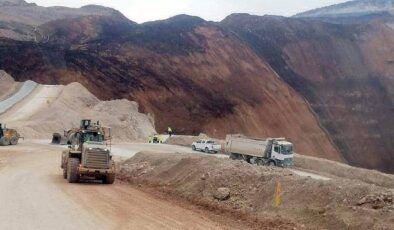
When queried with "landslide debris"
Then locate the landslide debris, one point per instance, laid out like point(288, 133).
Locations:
point(334, 204)
point(185, 71)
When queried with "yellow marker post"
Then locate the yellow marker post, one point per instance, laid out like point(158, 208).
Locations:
point(277, 194)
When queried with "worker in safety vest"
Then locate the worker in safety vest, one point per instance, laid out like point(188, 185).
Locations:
point(169, 131)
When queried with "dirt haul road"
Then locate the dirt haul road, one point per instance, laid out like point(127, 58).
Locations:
point(33, 195)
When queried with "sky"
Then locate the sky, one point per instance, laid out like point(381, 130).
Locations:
point(212, 10)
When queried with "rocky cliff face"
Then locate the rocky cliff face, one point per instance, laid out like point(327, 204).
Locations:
point(344, 71)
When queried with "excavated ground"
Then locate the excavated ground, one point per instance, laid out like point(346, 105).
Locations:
point(34, 195)
point(46, 109)
point(246, 191)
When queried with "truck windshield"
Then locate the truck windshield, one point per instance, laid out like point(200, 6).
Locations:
point(287, 149)
point(92, 137)
point(210, 142)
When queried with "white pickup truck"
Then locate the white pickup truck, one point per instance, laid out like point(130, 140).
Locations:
point(207, 146)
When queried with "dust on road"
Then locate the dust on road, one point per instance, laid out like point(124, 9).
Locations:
point(33, 195)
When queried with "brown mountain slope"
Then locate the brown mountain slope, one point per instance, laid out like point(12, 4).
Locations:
point(190, 74)
point(345, 71)
point(20, 20)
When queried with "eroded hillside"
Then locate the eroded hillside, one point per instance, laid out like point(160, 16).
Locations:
point(192, 75)
point(344, 71)
point(326, 86)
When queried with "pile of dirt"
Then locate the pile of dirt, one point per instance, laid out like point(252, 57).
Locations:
point(333, 168)
point(52, 109)
point(378, 201)
point(222, 184)
point(7, 86)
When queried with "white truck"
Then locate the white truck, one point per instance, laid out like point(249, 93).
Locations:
point(270, 151)
point(207, 146)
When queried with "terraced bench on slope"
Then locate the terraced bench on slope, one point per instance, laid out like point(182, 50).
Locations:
point(23, 92)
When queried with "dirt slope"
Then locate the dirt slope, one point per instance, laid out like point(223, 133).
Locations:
point(342, 70)
point(332, 204)
point(37, 197)
point(50, 109)
point(190, 77)
point(247, 74)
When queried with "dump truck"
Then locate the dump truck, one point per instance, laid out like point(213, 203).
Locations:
point(89, 154)
point(270, 151)
point(8, 136)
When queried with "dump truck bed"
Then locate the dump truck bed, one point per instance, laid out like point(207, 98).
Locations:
point(247, 146)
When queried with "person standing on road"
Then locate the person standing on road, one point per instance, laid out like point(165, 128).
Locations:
point(169, 131)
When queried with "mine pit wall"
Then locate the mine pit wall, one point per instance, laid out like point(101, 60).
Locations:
point(206, 90)
point(343, 73)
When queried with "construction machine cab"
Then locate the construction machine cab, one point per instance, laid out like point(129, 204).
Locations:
point(91, 136)
point(85, 124)
point(89, 155)
point(91, 132)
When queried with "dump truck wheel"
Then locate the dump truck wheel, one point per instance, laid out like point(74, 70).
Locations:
point(14, 141)
point(260, 162)
point(271, 163)
point(109, 179)
point(4, 141)
point(193, 148)
point(72, 170)
point(206, 150)
point(234, 156)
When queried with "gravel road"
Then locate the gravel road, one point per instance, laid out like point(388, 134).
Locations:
point(33, 195)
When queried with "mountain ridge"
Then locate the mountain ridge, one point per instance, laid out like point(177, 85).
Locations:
point(351, 8)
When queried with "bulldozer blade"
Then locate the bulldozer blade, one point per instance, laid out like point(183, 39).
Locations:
point(56, 139)
point(4, 141)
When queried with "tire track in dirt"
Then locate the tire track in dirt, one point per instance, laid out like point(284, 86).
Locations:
point(36, 197)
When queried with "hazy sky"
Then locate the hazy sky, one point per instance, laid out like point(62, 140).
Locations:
point(215, 10)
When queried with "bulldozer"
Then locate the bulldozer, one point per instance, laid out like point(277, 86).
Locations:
point(8, 136)
point(89, 154)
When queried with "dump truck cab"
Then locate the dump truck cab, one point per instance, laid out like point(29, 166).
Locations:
point(89, 154)
point(282, 153)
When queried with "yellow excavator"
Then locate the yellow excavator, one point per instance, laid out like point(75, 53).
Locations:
point(8, 136)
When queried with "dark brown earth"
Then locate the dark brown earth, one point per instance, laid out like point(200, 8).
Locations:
point(192, 75)
point(328, 87)
point(344, 71)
